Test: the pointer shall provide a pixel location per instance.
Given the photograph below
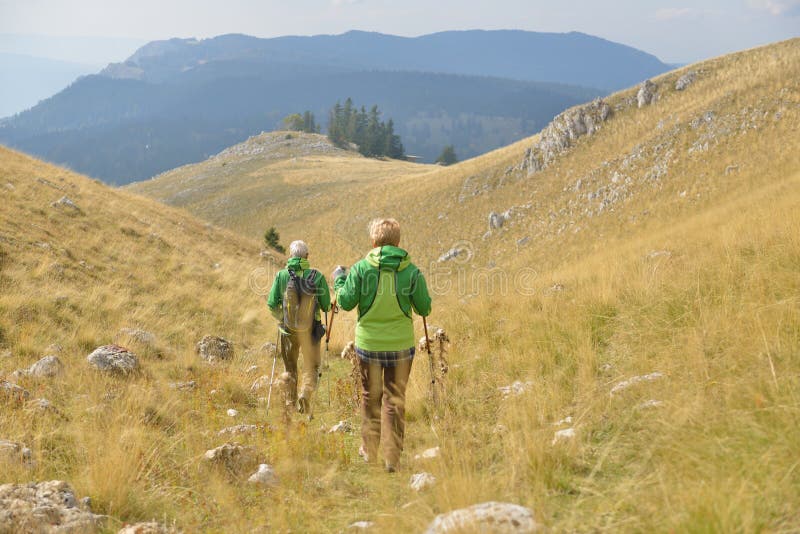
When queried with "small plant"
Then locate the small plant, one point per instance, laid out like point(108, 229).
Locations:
point(272, 240)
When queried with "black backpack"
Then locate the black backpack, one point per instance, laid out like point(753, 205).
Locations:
point(300, 301)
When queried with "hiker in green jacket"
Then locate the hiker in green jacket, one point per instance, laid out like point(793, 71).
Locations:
point(296, 298)
point(386, 287)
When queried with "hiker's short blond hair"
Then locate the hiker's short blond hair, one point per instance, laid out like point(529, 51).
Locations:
point(384, 232)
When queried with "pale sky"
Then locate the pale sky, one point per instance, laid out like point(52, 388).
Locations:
point(675, 31)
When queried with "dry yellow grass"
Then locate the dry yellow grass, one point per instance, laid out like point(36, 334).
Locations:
point(718, 314)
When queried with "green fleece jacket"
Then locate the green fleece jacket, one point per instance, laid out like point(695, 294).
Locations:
point(299, 266)
point(386, 287)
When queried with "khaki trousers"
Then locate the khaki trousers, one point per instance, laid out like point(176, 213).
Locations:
point(383, 409)
point(291, 347)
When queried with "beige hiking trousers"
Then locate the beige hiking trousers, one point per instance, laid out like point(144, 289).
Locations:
point(291, 347)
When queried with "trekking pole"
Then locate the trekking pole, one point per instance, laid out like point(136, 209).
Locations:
point(430, 362)
point(328, 327)
point(272, 375)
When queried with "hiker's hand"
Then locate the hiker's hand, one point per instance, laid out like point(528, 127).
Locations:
point(338, 272)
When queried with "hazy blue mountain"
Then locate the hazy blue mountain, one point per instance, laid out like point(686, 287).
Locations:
point(27, 80)
point(177, 101)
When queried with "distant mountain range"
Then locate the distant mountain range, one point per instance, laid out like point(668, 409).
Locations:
point(178, 101)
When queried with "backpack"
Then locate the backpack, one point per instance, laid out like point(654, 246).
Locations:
point(300, 301)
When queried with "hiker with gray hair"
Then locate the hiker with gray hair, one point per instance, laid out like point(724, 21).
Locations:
point(297, 296)
point(386, 287)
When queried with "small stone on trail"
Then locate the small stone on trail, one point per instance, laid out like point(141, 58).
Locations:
point(515, 389)
point(15, 451)
point(238, 429)
point(420, 481)
point(361, 525)
point(265, 476)
point(12, 392)
point(150, 527)
point(428, 454)
point(183, 386)
point(48, 366)
point(568, 434)
point(486, 518)
point(214, 348)
point(625, 384)
point(566, 421)
point(342, 427)
point(232, 455)
point(232, 413)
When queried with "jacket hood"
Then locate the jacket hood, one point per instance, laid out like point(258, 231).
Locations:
point(297, 264)
point(388, 257)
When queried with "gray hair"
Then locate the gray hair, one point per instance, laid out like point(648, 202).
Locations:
point(298, 249)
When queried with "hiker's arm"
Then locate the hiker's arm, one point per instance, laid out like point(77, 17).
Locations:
point(275, 298)
point(420, 299)
point(348, 289)
point(323, 293)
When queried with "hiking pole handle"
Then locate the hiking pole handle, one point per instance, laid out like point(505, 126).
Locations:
point(427, 339)
point(329, 327)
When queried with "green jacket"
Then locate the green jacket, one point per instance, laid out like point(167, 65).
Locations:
point(299, 266)
point(386, 287)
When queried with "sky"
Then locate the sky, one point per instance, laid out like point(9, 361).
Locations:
point(679, 31)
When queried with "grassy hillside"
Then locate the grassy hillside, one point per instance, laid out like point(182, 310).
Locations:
point(691, 270)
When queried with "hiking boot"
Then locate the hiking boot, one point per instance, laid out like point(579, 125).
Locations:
point(303, 405)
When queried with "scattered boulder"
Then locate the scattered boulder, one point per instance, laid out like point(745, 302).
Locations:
point(214, 348)
point(47, 367)
point(625, 384)
point(428, 454)
point(150, 527)
point(561, 436)
point(113, 359)
point(497, 220)
point(12, 393)
point(514, 389)
point(349, 351)
point(563, 132)
point(44, 507)
point(361, 525)
point(238, 430)
point(67, 203)
point(342, 427)
point(420, 481)
point(488, 517)
point(265, 476)
point(648, 94)
point(183, 386)
point(685, 81)
point(232, 456)
point(14, 451)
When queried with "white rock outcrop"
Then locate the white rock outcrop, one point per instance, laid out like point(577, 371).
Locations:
point(421, 481)
point(625, 384)
point(214, 348)
point(647, 94)
point(486, 518)
point(264, 476)
point(113, 359)
point(44, 507)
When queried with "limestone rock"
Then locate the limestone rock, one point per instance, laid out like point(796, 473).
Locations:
point(12, 393)
point(625, 384)
point(361, 525)
point(487, 518)
point(648, 94)
point(67, 203)
point(232, 455)
point(428, 454)
point(563, 132)
point(183, 386)
point(567, 434)
point(149, 527)
point(342, 427)
point(48, 367)
point(214, 348)
point(497, 220)
point(113, 359)
point(238, 429)
point(15, 451)
point(44, 507)
point(514, 389)
point(265, 476)
point(232, 412)
point(420, 481)
point(685, 81)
